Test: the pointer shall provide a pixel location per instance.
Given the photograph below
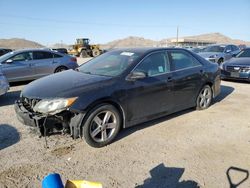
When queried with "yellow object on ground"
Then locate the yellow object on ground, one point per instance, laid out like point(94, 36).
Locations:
point(82, 184)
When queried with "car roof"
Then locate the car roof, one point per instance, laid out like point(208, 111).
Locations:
point(35, 49)
point(144, 50)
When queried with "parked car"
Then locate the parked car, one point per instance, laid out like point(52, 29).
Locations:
point(237, 68)
point(118, 89)
point(4, 85)
point(195, 49)
point(4, 51)
point(219, 53)
point(30, 64)
point(61, 50)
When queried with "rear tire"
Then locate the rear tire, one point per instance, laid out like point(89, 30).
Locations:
point(60, 69)
point(102, 125)
point(95, 52)
point(204, 99)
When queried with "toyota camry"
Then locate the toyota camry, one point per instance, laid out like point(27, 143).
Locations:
point(116, 90)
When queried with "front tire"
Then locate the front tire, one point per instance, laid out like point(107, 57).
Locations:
point(204, 98)
point(102, 126)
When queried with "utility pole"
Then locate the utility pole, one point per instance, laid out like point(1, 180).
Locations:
point(177, 35)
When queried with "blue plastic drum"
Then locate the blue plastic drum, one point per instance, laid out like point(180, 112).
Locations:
point(52, 181)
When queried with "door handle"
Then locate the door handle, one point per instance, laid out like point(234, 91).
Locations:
point(201, 71)
point(169, 79)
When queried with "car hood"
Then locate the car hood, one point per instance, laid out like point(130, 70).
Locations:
point(243, 61)
point(208, 54)
point(64, 84)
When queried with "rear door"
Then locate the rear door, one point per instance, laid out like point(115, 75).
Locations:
point(43, 63)
point(187, 78)
point(20, 68)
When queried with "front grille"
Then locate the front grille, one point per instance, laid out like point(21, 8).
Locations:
point(237, 69)
point(29, 103)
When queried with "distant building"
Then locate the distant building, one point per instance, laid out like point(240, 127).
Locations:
point(186, 42)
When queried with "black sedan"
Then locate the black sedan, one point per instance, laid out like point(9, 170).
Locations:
point(116, 90)
point(4, 51)
point(237, 68)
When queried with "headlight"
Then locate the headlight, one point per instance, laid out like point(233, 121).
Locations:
point(213, 56)
point(53, 106)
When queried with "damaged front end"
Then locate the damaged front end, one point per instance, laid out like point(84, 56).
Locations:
point(50, 115)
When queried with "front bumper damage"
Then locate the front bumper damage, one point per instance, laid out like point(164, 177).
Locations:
point(65, 122)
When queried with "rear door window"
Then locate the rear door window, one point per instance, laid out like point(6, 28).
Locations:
point(42, 55)
point(182, 60)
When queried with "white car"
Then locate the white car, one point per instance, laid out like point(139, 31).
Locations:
point(4, 84)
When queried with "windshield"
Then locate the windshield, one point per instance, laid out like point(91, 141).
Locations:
point(214, 49)
point(244, 53)
point(109, 64)
point(6, 56)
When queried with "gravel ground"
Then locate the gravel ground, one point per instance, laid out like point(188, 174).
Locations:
point(187, 149)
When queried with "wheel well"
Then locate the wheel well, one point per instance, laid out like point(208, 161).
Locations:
point(221, 59)
point(211, 85)
point(103, 102)
point(61, 66)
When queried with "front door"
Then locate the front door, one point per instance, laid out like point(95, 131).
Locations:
point(18, 67)
point(151, 96)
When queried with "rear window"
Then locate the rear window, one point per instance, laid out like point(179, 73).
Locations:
point(42, 55)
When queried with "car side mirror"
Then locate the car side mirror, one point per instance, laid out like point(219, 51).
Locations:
point(228, 51)
point(9, 61)
point(133, 76)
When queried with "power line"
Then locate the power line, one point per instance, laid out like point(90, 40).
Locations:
point(86, 23)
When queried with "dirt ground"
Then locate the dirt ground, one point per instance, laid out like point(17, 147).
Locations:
point(187, 149)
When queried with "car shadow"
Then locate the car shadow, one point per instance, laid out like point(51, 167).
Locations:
point(8, 136)
point(225, 92)
point(167, 177)
point(131, 130)
point(9, 98)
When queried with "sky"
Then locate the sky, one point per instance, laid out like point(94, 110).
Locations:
point(62, 21)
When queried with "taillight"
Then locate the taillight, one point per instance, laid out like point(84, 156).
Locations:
point(73, 59)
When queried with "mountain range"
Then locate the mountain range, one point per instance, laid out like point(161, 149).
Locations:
point(132, 41)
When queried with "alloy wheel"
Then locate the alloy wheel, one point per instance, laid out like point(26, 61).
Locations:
point(103, 126)
point(205, 97)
